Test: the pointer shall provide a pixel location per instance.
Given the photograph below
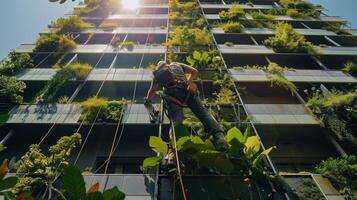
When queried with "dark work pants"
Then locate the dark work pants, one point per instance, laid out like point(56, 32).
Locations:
point(194, 103)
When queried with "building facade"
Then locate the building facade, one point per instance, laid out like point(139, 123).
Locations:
point(123, 43)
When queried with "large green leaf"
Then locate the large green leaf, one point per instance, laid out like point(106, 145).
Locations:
point(113, 194)
point(252, 145)
point(197, 55)
point(158, 145)
point(152, 161)
point(234, 133)
point(94, 196)
point(8, 183)
point(73, 182)
point(223, 165)
point(206, 158)
point(181, 142)
point(263, 155)
point(190, 60)
point(205, 57)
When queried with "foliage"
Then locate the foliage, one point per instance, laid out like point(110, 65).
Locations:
point(228, 44)
point(235, 12)
point(70, 24)
point(74, 187)
point(6, 183)
point(342, 172)
point(54, 42)
point(232, 27)
point(288, 40)
point(14, 62)
point(38, 171)
point(184, 13)
point(262, 16)
point(189, 39)
point(63, 100)
point(129, 45)
point(296, 4)
point(202, 60)
point(276, 77)
point(198, 156)
point(225, 96)
point(337, 28)
point(350, 67)
point(102, 110)
point(110, 24)
point(50, 91)
point(302, 14)
point(307, 190)
point(335, 111)
point(81, 71)
point(11, 89)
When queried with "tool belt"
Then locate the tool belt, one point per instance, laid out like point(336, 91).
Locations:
point(180, 92)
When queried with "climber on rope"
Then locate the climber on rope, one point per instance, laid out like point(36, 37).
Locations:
point(179, 91)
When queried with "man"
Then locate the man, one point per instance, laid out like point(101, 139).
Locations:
point(180, 91)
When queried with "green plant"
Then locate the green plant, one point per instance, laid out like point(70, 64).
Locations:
point(102, 110)
point(73, 186)
point(235, 12)
point(337, 28)
point(184, 13)
point(287, 40)
point(70, 24)
point(38, 171)
point(129, 45)
point(81, 71)
point(14, 62)
point(189, 39)
point(110, 24)
point(297, 4)
point(200, 156)
point(228, 44)
point(50, 91)
point(307, 190)
point(225, 96)
point(350, 67)
point(6, 183)
point(53, 42)
point(232, 27)
point(63, 100)
point(11, 89)
point(335, 111)
point(262, 16)
point(202, 60)
point(342, 172)
point(276, 77)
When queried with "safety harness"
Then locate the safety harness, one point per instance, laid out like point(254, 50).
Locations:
point(167, 78)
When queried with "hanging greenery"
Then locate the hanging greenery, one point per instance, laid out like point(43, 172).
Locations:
point(336, 111)
point(232, 27)
point(11, 89)
point(54, 42)
point(350, 67)
point(203, 60)
point(235, 12)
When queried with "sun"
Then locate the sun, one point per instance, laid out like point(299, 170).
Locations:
point(130, 4)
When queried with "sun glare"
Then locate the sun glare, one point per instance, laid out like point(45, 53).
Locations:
point(130, 4)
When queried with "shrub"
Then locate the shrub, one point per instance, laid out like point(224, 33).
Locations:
point(14, 62)
point(337, 28)
point(276, 77)
point(81, 71)
point(296, 4)
point(202, 60)
point(262, 16)
point(110, 24)
point(63, 100)
point(342, 172)
point(129, 45)
point(190, 39)
point(232, 27)
point(53, 42)
point(350, 67)
point(335, 111)
point(38, 171)
point(11, 89)
point(225, 96)
point(109, 111)
point(184, 13)
point(288, 40)
point(70, 24)
point(234, 13)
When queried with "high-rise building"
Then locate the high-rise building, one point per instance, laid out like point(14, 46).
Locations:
point(264, 64)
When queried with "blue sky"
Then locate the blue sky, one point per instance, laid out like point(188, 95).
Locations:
point(22, 20)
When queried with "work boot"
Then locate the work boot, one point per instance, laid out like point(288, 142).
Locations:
point(219, 142)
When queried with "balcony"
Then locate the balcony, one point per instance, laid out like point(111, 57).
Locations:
point(309, 76)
